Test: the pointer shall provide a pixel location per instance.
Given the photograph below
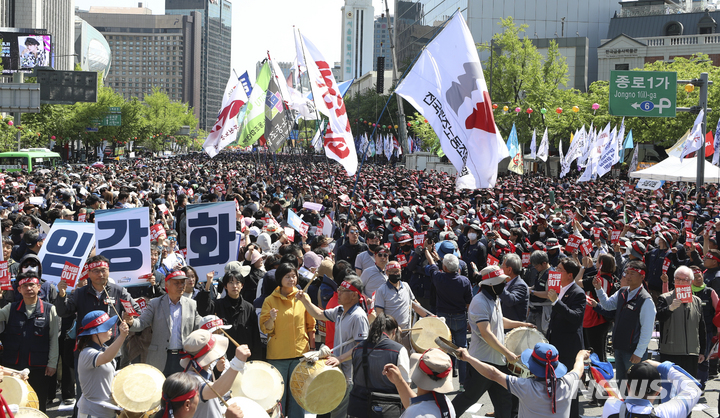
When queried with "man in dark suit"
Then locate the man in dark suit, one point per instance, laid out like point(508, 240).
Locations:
point(566, 320)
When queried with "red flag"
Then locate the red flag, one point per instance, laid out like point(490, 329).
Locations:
point(709, 144)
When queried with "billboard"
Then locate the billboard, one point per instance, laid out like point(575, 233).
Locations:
point(23, 51)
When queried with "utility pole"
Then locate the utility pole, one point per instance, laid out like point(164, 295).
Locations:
point(402, 127)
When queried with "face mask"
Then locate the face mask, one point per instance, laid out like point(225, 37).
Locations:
point(628, 250)
point(394, 278)
point(406, 248)
point(498, 288)
point(522, 199)
point(472, 236)
point(665, 219)
point(542, 234)
point(657, 241)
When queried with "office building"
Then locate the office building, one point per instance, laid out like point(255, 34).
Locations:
point(646, 31)
point(55, 16)
point(382, 41)
point(215, 27)
point(357, 38)
point(546, 19)
point(151, 51)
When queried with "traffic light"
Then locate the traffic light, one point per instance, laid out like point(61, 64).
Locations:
point(380, 85)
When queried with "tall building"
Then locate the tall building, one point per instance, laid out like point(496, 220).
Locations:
point(151, 51)
point(56, 16)
point(382, 41)
point(215, 31)
point(357, 38)
point(549, 19)
point(645, 31)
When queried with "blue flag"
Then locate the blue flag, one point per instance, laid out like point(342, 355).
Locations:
point(512, 142)
point(627, 144)
point(245, 81)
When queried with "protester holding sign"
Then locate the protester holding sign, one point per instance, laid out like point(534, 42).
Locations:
point(709, 299)
point(682, 324)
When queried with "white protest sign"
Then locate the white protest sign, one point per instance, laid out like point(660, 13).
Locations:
point(123, 236)
point(67, 241)
point(211, 238)
point(649, 184)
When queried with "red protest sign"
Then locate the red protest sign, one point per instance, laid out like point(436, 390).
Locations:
point(690, 237)
point(401, 259)
point(574, 241)
point(142, 304)
point(31, 188)
point(5, 276)
point(666, 265)
point(596, 232)
point(418, 239)
point(709, 226)
point(363, 226)
point(69, 273)
point(656, 228)
point(163, 209)
point(81, 217)
point(485, 227)
point(688, 224)
point(684, 293)
point(492, 261)
point(615, 237)
point(387, 244)
point(183, 251)
point(679, 215)
point(157, 231)
point(444, 213)
point(146, 276)
point(586, 247)
point(129, 308)
point(553, 282)
point(525, 259)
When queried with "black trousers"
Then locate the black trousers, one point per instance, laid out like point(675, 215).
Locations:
point(596, 338)
point(67, 383)
point(687, 362)
point(41, 384)
point(475, 387)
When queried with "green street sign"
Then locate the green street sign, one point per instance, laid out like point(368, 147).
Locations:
point(109, 120)
point(114, 110)
point(643, 93)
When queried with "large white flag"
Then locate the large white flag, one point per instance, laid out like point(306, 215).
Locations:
point(533, 145)
point(226, 126)
point(696, 138)
point(608, 157)
point(448, 88)
point(544, 150)
point(339, 143)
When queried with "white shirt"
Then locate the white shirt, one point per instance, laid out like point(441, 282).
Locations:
point(562, 291)
point(175, 326)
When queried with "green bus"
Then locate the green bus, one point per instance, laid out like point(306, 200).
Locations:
point(29, 159)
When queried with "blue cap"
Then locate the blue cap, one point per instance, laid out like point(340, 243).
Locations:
point(96, 322)
point(446, 247)
point(536, 363)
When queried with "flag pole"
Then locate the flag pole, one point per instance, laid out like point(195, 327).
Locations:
point(437, 31)
point(285, 108)
point(317, 114)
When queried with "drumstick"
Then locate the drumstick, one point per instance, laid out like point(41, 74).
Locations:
point(307, 286)
point(411, 329)
point(343, 345)
point(7, 369)
point(113, 305)
point(230, 338)
point(421, 307)
point(210, 386)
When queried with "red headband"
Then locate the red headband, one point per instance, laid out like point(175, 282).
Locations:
point(550, 377)
point(97, 321)
point(28, 280)
point(209, 346)
point(175, 274)
point(361, 297)
point(638, 271)
point(492, 274)
point(212, 324)
point(98, 264)
point(433, 375)
point(713, 256)
point(181, 398)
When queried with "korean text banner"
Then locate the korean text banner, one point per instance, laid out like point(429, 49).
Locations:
point(67, 241)
point(123, 236)
point(211, 237)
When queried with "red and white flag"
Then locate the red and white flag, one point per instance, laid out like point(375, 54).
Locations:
point(226, 127)
point(447, 86)
point(338, 143)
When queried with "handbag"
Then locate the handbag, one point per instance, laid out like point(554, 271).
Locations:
point(380, 405)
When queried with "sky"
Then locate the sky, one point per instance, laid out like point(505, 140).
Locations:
point(261, 26)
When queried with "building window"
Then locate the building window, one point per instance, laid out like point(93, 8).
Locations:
point(673, 29)
point(707, 24)
point(619, 67)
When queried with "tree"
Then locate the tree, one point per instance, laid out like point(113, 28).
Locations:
point(164, 118)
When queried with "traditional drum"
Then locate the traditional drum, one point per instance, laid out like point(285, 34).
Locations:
point(19, 392)
point(316, 387)
point(25, 412)
point(430, 328)
point(249, 407)
point(519, 340)
point(260, 382)
point(137, 389)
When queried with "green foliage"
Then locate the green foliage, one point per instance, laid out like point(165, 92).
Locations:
point(367, 106)
point(420, 129)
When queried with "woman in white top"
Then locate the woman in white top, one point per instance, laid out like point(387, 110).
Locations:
point(96, 364)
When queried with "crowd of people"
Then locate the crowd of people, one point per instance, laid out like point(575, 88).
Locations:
point(583, 264)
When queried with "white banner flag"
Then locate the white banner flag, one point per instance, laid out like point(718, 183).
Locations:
point(544, 150)
point(123, 236)
point(446, 85)
point(696, 138)
point(339, 143)
point(226, 126)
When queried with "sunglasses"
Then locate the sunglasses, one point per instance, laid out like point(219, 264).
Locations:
point(383, 255)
